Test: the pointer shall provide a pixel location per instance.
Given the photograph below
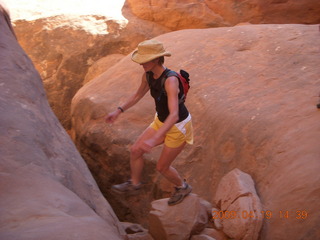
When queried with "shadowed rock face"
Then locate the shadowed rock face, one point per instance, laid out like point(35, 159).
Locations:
point(47, 191)
point(253, 97)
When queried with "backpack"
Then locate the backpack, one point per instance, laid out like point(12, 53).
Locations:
point(183, 77)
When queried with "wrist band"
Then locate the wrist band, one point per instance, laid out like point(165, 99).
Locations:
point(121, 109)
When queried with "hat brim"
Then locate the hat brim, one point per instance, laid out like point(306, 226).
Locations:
point(139, 58)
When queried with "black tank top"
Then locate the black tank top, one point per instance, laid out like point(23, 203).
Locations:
point(160, 97)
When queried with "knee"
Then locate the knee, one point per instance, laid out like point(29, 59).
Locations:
point(135, 152)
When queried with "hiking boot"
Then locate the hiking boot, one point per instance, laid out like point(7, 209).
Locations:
point(179, 194)
point(126, 187)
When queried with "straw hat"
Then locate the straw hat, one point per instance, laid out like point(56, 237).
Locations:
point(149, 50)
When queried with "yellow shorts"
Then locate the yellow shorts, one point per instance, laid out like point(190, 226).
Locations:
point(179, 133)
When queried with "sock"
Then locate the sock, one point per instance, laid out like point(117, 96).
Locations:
point(184, 185)
point(135, 185)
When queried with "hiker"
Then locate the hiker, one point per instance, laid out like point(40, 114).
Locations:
point(172, 124)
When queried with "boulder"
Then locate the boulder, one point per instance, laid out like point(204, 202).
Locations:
point(177, 222)
point(253, 96)
point(136, 231)
point(101, 66)
point(47, 190)
point(176, 15)
point(248, 221)
point(241, 211)
point(201, 237)
point(203, 14)
point(267, 11)
point(216, 219)
point(63, 47)
point(232, 186)
point(64, 52)
point(213, 233)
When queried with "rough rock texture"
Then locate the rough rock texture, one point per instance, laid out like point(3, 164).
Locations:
point(213, 233)
point(237, 198)
point(201, 237)
point(47, 191)
point(177, 14)
point(253, 96)
point(101, 66)
point(232, 186)
point(136, 231)
point(216, 219)
point(178, 222)
point(63, 52)
point(267, 11)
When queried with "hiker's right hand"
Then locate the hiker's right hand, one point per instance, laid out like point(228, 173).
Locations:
point(111, 117)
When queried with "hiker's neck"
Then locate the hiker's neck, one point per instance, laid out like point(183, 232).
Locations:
point(158, 70)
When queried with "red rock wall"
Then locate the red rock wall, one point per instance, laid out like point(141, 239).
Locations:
point(63, 55)
point(253, 97)
point(177, 14)
point(47, 191)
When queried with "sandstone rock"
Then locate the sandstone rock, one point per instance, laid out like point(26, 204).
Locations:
point(201, 237)
point(63, 52)
point(136, 231)
point(247, 224)
point(253, 94)
point(211, 232)
point(215, 218)
point(179, 221)
point(176, 15)
point(131, 228)
point(208, 206)
point(62, 49)
point(232, 186)
point(202, 14)
point(139, 236)
point(101, 66)
point(237, 198)
point(269, 11)
point(47, 191)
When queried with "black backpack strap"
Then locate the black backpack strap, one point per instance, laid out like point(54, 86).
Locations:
point(169, 73)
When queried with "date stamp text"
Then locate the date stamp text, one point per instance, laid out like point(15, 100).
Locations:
point(285, 214)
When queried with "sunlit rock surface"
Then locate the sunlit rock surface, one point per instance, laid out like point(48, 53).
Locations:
point(253, 97)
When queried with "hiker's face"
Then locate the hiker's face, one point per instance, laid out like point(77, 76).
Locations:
point(148, 66)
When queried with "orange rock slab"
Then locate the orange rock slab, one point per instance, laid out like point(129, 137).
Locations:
point(253, 96)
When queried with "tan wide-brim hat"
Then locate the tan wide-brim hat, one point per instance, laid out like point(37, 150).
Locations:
point(149, 50)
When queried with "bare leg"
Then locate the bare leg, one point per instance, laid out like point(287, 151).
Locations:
point(136, 160)
point(168, 155)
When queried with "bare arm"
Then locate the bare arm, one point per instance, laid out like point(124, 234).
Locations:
point(131, 101)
